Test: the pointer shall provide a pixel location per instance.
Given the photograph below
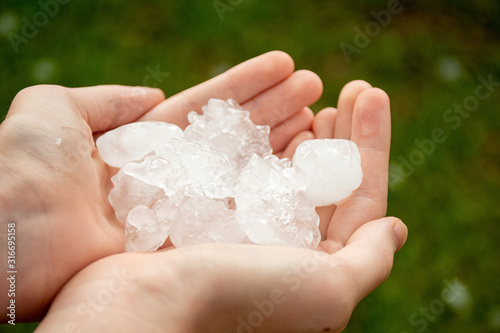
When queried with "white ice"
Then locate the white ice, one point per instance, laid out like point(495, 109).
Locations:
point(331, 169)
point(270, 209)
point(228, 129)
point(133, 141)
point(144, 230)
point(201, 219)
point(219, 182)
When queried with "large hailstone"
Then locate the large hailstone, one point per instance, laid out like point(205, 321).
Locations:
point(129, 192)
point(145, 229)
point(331, 169)
point(133, 141)
point(228, 129)
point(271, 209)
point(201, 219)
point(192, 167)
point(218, 182)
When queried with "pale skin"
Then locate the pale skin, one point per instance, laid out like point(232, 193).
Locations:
point(72, 244)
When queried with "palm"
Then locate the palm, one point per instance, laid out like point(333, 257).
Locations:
point(224, 287)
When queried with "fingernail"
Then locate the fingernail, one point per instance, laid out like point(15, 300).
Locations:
point(400, 232)
point(369, 121)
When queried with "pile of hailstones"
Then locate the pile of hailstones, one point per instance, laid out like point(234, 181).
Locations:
point(218, 181)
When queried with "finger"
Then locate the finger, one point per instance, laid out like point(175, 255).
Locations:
point(294, 143)
point(273, 106)
point(368, 257)
point(325, 214)
point(281, 135)
point(240, 83)
point(324, 123)
point(371, 131)
point(107, 107)
point(347, 98)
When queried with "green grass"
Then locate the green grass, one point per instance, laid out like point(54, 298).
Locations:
point(449, 202)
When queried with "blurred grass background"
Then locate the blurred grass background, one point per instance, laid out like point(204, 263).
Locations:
point(428, 58)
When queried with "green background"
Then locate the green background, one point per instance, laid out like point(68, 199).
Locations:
point(428, 58)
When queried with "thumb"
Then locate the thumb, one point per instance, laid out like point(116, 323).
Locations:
point(369, 253)
point(109, 106)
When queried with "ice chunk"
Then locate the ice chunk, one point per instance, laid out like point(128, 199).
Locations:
point(197, 169)
point(219, 182)
point(270, 209)
point(228, 129)
point(132, 142)
point(331, 169)
point(202, 219)
point(144, 230)
point(129, 192)
point(153, 170)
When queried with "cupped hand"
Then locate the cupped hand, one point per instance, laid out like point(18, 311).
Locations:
point(363, 116)
point(55, 186)
point(228, 287)
point(249, 288)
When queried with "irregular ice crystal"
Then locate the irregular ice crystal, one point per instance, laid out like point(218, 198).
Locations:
point(145, 231)
point(332, 169)
point(218, 181)
point(228, 129)
point(196, 169)
point(270, 209)
point(202, 219)
point(132, 142)
point(129, 192)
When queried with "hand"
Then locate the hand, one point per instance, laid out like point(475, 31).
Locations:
point(363, 116)
point(55, 186)
point(249, 288)
point(227, 287)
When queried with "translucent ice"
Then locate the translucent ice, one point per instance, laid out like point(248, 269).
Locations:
point(270, 209)
point(193, 168)
point(144, 230)
point(202, 219)
point(132, 142)
point(219, 182)
point(129, 192)
point(196, 168)
point(228, 129)
point(331, 168)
